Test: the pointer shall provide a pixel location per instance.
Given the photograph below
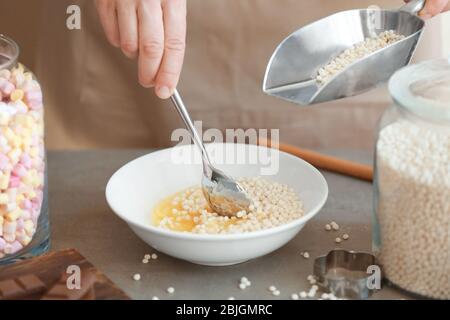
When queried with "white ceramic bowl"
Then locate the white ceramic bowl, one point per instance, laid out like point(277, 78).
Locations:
point(135, 189)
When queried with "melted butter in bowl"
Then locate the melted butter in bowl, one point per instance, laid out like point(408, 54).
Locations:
point(188, 211)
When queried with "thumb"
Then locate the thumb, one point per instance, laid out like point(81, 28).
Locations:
point(433, 7)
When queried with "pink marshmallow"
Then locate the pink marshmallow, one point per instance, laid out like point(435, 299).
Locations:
point(25, 159)
point(34, 95)
point(6, 87)
point(35, 104)
point(20, 224)
point(19, 170)
point(26, 204)
point(14, 181)
point(39, 195)
point(34, 99)
point(35, 204)
point(16, 246)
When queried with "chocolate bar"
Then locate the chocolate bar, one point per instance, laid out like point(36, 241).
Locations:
point(21, 287)
point(46, 276)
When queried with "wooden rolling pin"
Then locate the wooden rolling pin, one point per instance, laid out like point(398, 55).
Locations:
point(349, 168)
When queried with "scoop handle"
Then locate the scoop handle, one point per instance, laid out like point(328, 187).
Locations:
point(413, 6)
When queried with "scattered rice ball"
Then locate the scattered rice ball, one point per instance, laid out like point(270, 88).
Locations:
point(334, 226)
point(305, 255)
point(345, 236)
point(136, 277)
point(338, 240)
point(294, 296)
point(327, 227)
point(313, 291)
point(244, 283)
point(231, 298)
point(155, 298)
point(147, 256)
point(331, 296)
point(145, 261)
point(356, 52)
point(244, 279)
point(303, 294)
point(170, 290)
point(276, 293)
point(154, 256)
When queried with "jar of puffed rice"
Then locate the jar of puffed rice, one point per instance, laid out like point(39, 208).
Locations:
point(411, 233)
point(24, 227)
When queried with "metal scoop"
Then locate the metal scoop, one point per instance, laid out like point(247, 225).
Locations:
point(224, 195)
point(292, 70)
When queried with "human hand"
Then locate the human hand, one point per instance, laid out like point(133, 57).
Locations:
point(154, 31)
point(433, 8)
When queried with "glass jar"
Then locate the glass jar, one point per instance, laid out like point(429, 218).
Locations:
point(24, 226)
point(411, 235)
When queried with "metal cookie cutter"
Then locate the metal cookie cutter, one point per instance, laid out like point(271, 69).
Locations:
point(345, 273)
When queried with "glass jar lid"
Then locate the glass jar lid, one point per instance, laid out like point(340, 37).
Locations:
point(424, 89)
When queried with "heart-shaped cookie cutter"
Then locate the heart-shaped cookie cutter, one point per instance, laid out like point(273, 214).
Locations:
point(346, 274)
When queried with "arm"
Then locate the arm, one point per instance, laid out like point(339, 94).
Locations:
point(154, 32)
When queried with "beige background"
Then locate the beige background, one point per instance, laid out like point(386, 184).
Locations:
point(93, 100)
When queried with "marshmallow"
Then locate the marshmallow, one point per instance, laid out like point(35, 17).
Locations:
point(22, 155)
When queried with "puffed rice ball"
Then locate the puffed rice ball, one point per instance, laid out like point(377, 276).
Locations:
point(355, 53)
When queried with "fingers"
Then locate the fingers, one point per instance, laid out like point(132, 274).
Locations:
point(108, 17)
point(151, 41)
point(174, 12)
point(154, 30)
point(433, 7)
point(128, 27)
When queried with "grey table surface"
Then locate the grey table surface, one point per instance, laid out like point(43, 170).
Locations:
point(80, 218)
